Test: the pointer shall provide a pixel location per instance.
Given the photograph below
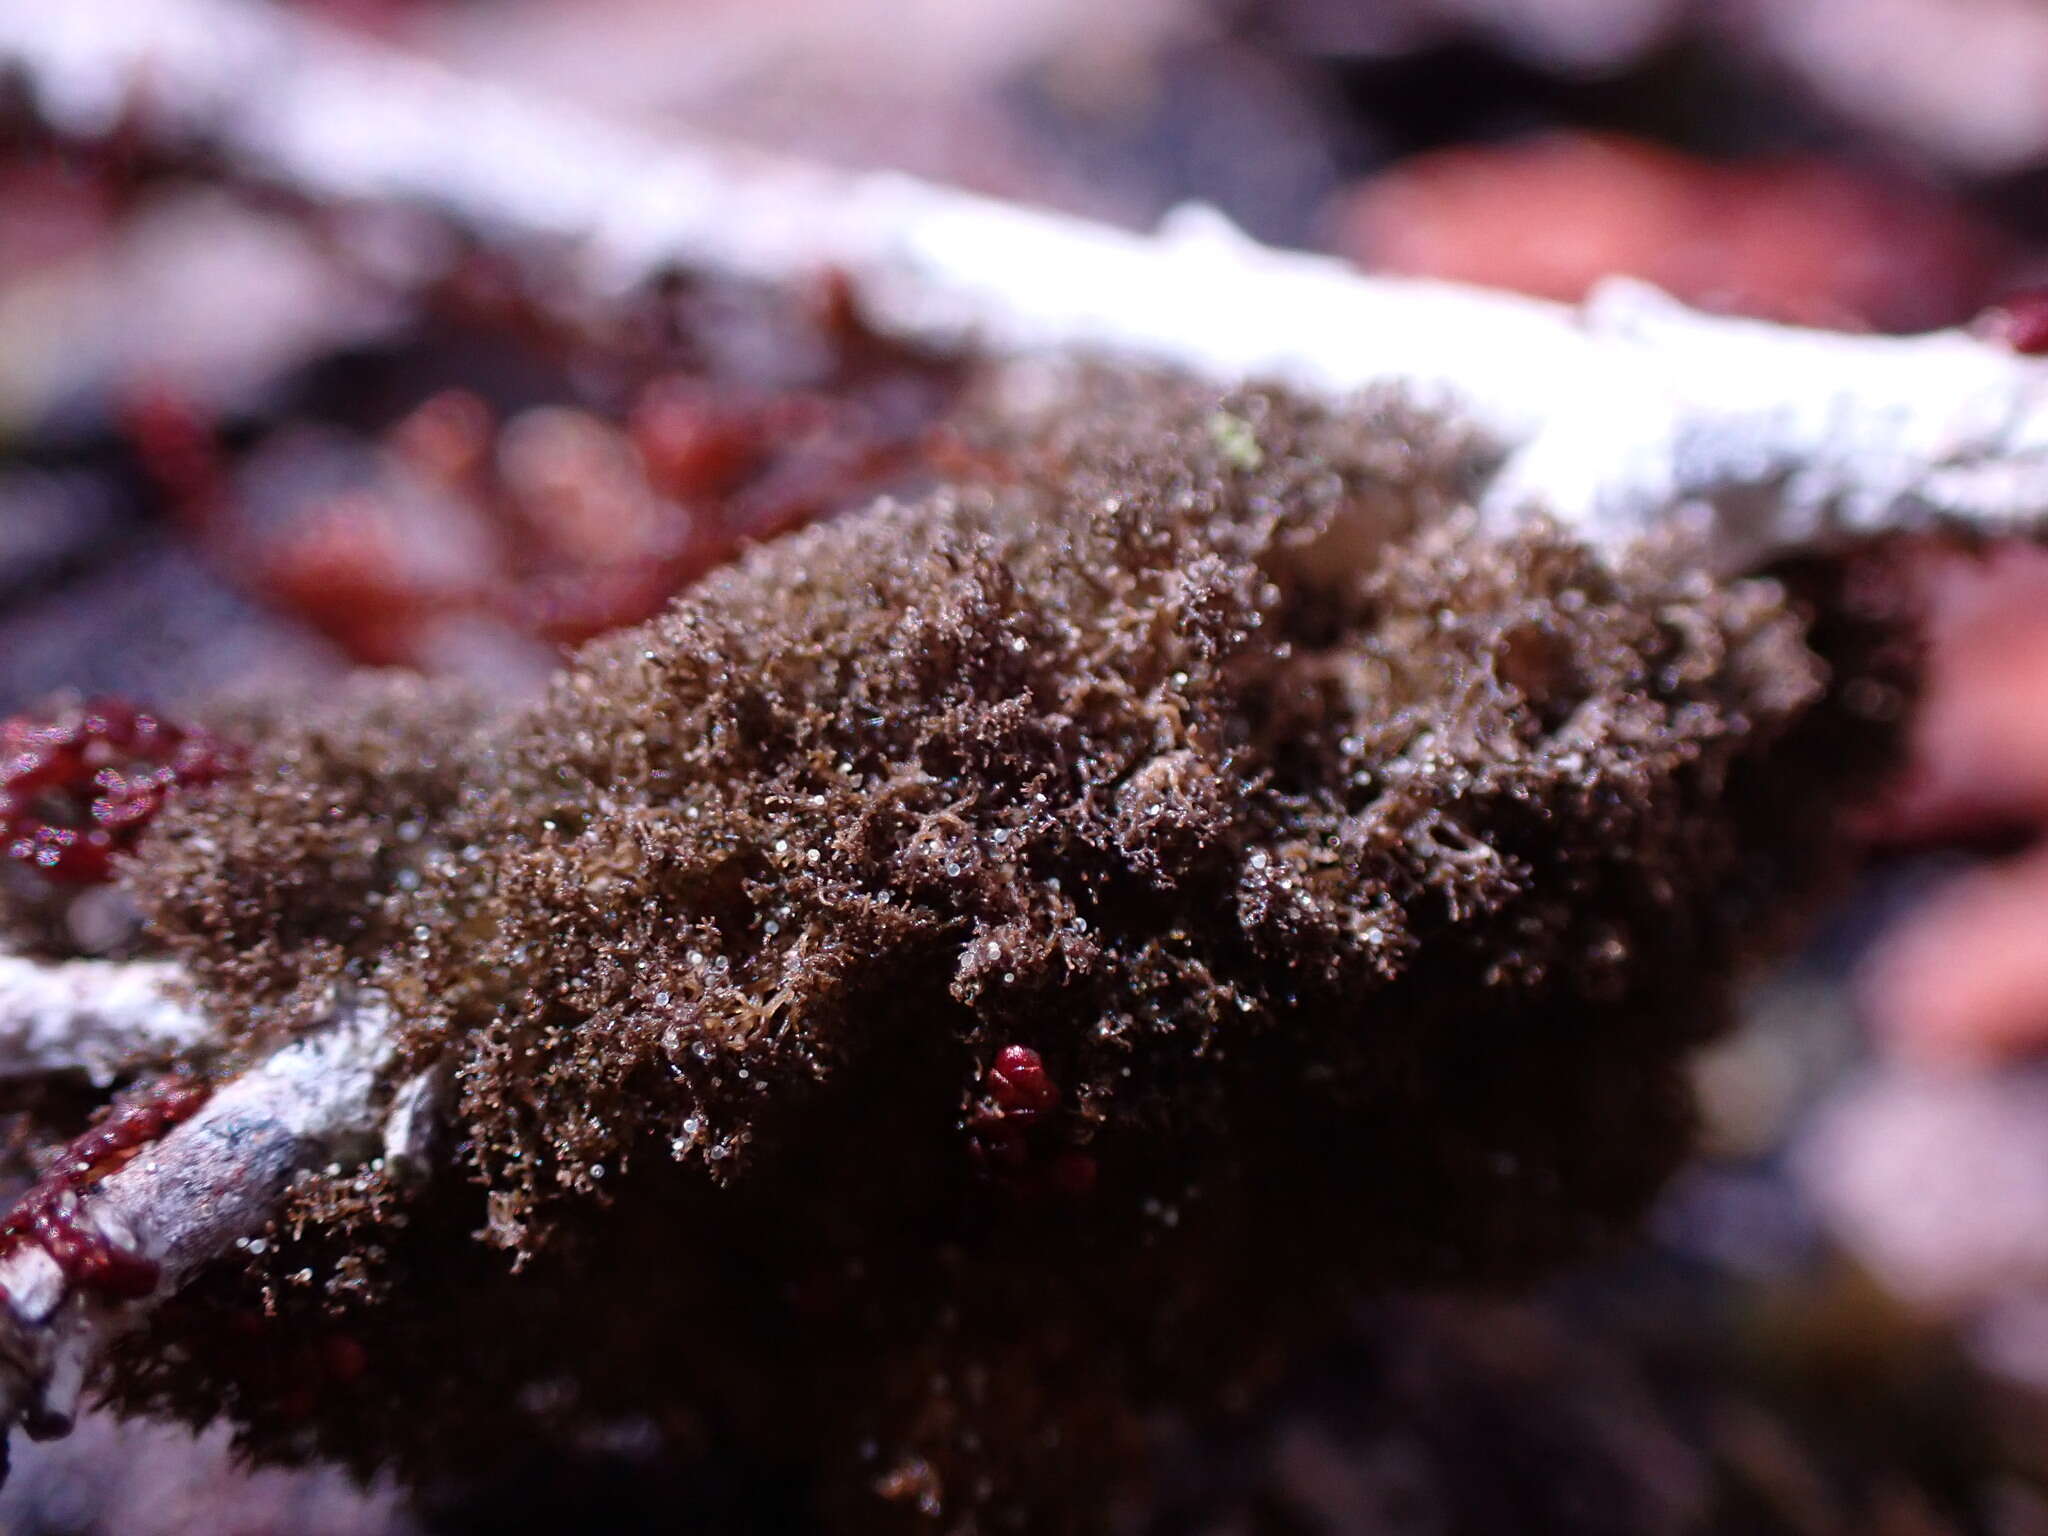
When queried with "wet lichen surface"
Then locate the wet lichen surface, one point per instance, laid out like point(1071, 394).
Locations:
point(977, 971)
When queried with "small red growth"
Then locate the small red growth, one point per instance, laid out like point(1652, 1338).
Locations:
point(48, 1213)
point(178, 450)
point(80, 784)
point(1008, 1134)
point(282, 1369)
point(2019, 320)
point(343, 1358)
point(1018, 1084)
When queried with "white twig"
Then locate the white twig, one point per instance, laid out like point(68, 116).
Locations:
point(1611, 415)
point(1617, 416)
point(188, 1198)
point(95, 1016)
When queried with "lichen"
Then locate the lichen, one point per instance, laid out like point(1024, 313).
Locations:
point(272, 890)
point(1359, 881)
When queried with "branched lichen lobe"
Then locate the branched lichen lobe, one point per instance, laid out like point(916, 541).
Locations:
point(1208, 807)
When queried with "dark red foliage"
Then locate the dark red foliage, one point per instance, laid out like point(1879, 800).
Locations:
point(48, 1212)
point(467, 528)
point(179, 450)
point(1798, 238)
point(2019, 320)
point(570, 524)
point(79, 784)
point(1009, 1134)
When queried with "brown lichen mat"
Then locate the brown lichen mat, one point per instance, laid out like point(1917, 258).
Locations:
point(980, 969)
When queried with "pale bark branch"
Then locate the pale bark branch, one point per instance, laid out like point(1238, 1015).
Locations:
point(215, 1180)
point(99, 1017)
point(1611, 416)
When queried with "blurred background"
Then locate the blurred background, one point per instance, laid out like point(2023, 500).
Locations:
point(247, 441)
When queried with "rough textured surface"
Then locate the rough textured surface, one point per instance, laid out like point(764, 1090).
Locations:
point(271, 891)
point(1358, 881)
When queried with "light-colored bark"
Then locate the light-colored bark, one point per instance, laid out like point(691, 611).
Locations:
point(1613, 415)
point(99, 1017)
point(209, 1183)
